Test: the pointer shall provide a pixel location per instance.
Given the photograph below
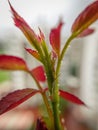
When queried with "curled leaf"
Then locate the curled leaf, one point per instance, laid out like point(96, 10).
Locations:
point(15, 98)
point(39, 73)
point(8, 62)
point(86, 18)
point(70, 97)
point(34, 53)
point(25, 28)
point(55, 38)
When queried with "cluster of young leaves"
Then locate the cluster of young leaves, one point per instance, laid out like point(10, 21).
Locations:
point(80, 28)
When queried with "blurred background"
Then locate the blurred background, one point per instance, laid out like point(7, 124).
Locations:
point(79, 73)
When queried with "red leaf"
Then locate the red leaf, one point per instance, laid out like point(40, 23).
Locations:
point(70, 97)
point(55, 38)
point(15, 98)
point(86, 32)
point(24, 27)
point(86, 18)
point(41, 35)
point(41, 125)
point(34, 53)
point(39, 73)
point(8, 62)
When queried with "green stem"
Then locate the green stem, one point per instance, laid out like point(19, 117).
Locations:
point(54, 89)
point(55, 105)
point(52, 79)
point(48, 66)
point(45, 99)
point(55, 101)
point(63, 52)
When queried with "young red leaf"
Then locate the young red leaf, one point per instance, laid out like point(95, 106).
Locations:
point(34, 53)
point(8, 62)
point(86, 18)
point(15, 98)
point(41, 36)
point(40, 125)
point(70, 97)
point(55, 38)
point(39, 73)
point(86, 32)
point(24, 27)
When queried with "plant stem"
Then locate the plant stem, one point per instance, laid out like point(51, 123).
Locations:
point(53, 89)
point(54, 93)
point(52, 79)
point(48, 66)
point(55, 102)
point(55, 105)
point(63, 52)
point(45, 99)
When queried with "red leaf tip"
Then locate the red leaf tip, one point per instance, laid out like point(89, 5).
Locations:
point(39, 73)
point(17, 19)
point(41, 35)
point(86, 18)
point(70, 97)
point(55, 38)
